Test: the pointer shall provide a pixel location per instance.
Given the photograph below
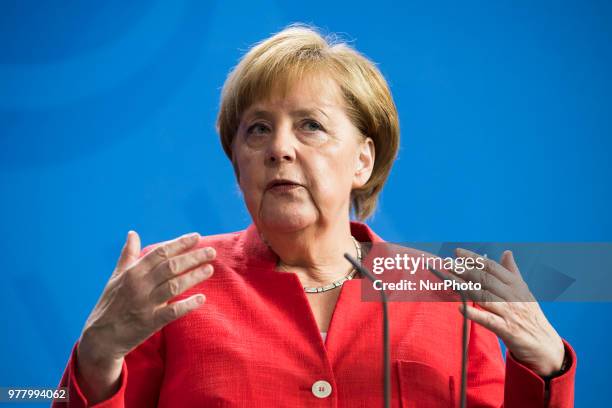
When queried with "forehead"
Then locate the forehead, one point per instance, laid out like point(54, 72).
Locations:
point(313, 92)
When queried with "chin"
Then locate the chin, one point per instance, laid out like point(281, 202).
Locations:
point(287, 220)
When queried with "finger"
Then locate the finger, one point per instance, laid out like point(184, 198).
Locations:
point(179, 264)
point(167, 250)
point(490, 265)
point(176, 286)
point(129, 253)
point(492, 289)
point(508, 262)
point(482, 295)
point(176, 310)
point(498, 308)
point(486, 319)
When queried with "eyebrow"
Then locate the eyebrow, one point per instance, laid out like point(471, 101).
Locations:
point(257, 114)
point(298, 112)
point(307, 112)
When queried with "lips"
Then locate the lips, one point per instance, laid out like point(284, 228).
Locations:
point(282, 184)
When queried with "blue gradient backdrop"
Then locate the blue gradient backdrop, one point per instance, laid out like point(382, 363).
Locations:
point(107, 116)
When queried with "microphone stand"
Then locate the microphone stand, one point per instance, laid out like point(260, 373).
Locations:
point(386, 358)
point(464, 338)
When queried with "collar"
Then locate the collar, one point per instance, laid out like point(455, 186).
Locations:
point(256, 255)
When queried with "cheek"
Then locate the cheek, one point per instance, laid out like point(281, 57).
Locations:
point(331, 175)
point(250, 173)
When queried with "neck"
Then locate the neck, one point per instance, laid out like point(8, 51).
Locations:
point(315, 253)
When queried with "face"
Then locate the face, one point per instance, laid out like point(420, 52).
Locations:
point(299, 156)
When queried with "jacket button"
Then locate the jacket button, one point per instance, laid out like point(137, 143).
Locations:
point(321, 389)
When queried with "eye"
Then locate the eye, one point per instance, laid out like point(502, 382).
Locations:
point(257, 129)
point(311, 125)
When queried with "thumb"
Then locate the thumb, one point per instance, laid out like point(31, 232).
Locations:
point(508, 262)
point(130, 252)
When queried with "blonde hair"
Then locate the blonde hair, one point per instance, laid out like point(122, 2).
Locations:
point(279, 61)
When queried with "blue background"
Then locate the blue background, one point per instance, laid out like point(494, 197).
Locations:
point(107, 114)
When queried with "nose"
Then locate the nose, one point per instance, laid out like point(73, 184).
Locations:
point(282, 146)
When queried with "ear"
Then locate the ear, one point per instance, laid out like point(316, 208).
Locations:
point(364, 165)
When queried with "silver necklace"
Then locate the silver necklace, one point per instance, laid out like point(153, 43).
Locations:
point(339, 282)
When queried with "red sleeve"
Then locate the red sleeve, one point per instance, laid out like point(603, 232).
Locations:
point(526, 388)
point(140, 379)
point(76, 398)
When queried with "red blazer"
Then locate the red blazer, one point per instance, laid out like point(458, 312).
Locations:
point(255, 343)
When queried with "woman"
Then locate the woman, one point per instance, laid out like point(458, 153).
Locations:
point(312, 131)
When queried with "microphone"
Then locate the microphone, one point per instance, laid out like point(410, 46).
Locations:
point(386, 359)
point(464, 345)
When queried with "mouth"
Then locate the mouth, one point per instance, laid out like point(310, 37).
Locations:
point(282, 185)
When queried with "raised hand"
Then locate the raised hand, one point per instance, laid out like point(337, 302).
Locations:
point(508, 309)
point(136, 303)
